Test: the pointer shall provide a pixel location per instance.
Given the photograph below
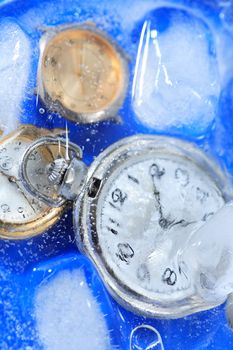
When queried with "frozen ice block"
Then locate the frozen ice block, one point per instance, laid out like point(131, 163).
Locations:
point(68, 316)
point(14, 71)
point(176, 82)
point(208, 254)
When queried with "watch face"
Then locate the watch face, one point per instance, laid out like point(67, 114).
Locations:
point(82, 71)
point(145, 204)
point(20, 212)
point(144, 210)
point(37, 165)
point(15, 205)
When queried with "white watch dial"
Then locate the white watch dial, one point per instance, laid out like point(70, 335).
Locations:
point(16, 205)
point(145, 209)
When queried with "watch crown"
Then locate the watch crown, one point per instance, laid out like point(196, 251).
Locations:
point(56, 171)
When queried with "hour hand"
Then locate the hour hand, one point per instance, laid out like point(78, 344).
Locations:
point(165, 223)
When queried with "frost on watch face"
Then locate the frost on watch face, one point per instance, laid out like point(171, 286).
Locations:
point(146, 210)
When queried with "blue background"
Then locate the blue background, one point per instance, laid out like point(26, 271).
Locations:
point(25, 264)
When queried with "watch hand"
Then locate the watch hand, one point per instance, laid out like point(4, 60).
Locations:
point(163, 222)
point(13, 179)
point(155, 190)
point(182, 223)
point(20, 189)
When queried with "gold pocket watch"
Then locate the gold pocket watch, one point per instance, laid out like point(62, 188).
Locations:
point(82, 74)
point(21, 214)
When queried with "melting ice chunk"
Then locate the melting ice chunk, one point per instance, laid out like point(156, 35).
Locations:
point(203, 262)
point(176, 82)
point(68, 316)
point(14, 70)
point(208, 253)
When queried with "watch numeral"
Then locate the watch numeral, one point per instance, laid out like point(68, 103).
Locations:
point(116, 224)
point(5, 208)
point(6, 163)
point(112, 230)
point(125, 252)
point(132, 178)
point(118, 196)
point(36, 203)
point(169, 276)
point(155, 171)
point(182, 176)
point(32, 156)
point(21, 211)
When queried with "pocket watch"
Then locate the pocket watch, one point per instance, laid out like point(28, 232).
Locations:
point(82, 74)
point(21, 214)
point(137, 197)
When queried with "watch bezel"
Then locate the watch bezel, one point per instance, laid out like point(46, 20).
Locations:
point(110, 111)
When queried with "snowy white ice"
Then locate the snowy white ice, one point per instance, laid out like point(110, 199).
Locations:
point(14, 71)
point(68, 316)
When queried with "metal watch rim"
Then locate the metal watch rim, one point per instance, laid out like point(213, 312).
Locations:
point(106, 113)
point(82, 224)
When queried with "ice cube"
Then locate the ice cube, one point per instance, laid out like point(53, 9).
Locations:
point(208, 254)
point(176, 82)
point(14, 71)
point(68, 316)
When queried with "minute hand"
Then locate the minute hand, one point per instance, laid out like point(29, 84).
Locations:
point(163, 222)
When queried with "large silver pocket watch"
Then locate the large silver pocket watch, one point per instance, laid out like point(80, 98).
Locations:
point(138, 198)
